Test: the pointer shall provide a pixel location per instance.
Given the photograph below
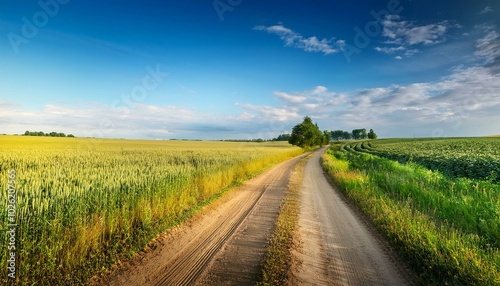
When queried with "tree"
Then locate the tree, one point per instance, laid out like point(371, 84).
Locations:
point(355, 134)
point(283, 137)
point(359, 134)
point(347, 135)
point(340, 135)
point(372, 135)
point(328, 136)
point(363, 134)
point(51, 134)
point(306, 134)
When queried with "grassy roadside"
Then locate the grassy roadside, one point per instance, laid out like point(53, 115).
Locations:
point(276, 265)
point(425, 216)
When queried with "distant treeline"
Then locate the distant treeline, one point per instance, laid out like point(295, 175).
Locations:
point(51, 134)
point(281, 137)
point(247, 140)
point(356, 134)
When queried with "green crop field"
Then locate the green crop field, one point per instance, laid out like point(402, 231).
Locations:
point(82, 204)
point(477, 158)
point(436, 200)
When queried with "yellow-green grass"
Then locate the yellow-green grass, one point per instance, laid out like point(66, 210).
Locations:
point(448, 229)
point(84, 203)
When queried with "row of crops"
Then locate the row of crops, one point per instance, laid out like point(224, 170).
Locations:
point(447, 228)
point(83, 204)
point(474, 158)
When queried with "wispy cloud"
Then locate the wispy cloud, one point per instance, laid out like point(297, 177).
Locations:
point(468, 93)
point(446, 107)
point(486, 9)
point(317, 99)
point(296, 40)
point(403, 37)
point(290, 98)
point(103, 121)
point(399, 31)
point(390, 50)
point(488, 48)
point(317, 102)
point(266, 113)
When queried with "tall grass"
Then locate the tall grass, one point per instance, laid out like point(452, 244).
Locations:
point(448, 229)
point(82, 206)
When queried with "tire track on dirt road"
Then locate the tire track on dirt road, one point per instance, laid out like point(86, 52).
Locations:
point(234, 230)
point(239, 261)
point(337, 245)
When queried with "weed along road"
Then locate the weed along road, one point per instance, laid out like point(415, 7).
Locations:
point(225, 243)
point(336, 245)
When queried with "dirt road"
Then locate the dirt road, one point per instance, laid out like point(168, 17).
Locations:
point(337, 246)
point(223, 245)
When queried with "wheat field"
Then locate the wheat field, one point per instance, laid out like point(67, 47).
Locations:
point(83, 204)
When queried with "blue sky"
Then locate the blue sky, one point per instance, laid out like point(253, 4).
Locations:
point(240, 69)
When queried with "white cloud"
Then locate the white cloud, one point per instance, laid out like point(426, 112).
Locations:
point(317, 98)
point(266, 113)
point(390, 50)
point(428, 35)
point(140, 121)
point(319, 90)
point(469, 94)
point(402, 36)
point(486, 9)
point(290, 98)
point(411, 52)
point(404, 32)
point(445, 107)
point(296, 40)
point(449, 105)
point(488, 47)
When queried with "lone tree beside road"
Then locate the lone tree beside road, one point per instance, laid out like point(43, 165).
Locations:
point(307, 134)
